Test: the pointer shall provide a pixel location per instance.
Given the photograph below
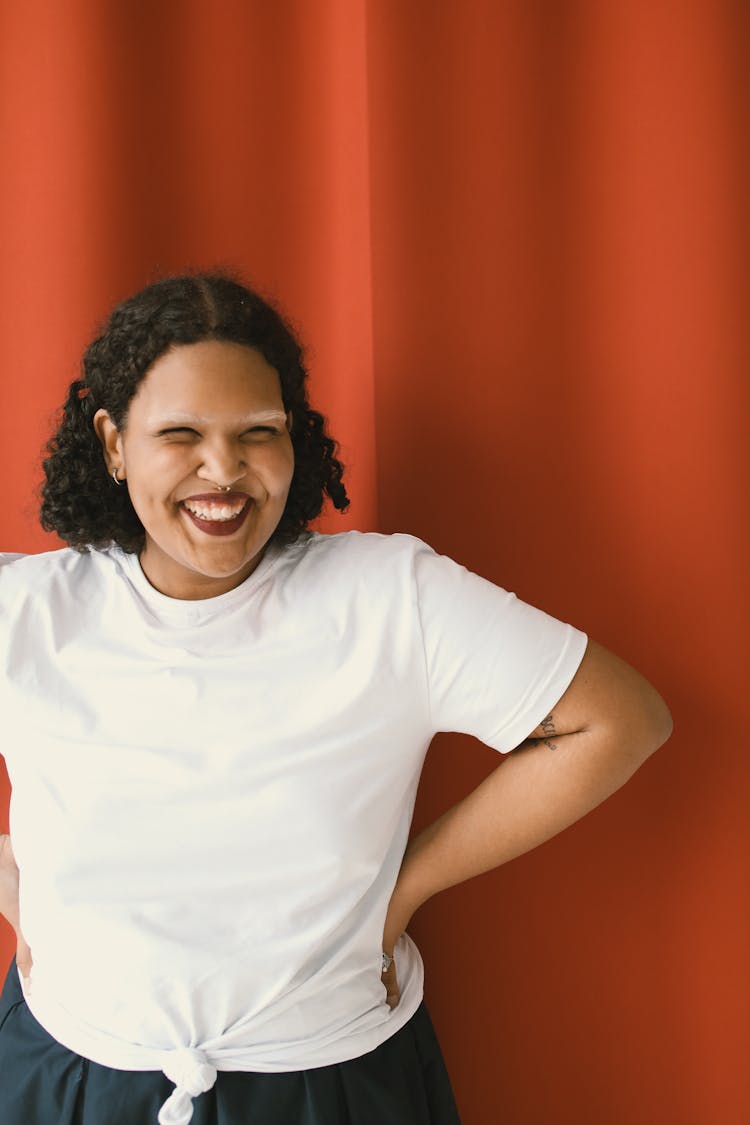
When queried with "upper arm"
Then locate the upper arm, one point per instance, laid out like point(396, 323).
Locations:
point(608, 697)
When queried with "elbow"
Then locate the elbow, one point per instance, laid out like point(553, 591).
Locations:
point(657, 724)
point(667, 725)
point(640, 728)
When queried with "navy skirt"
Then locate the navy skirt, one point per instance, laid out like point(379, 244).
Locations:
point(401, 1082)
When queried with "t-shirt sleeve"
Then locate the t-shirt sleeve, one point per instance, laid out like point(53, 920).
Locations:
point(6, 583)
point(495, 665)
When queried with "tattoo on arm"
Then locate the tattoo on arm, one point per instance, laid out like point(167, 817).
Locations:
point(548, 727)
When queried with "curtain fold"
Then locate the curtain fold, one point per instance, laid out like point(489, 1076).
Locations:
point(514, 237)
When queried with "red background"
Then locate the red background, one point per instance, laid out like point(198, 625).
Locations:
point(515, 238)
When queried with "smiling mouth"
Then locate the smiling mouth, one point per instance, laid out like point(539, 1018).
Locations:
point(217, 517)
point(214, 511)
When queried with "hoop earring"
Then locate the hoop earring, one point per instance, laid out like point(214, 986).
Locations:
point(114, 477)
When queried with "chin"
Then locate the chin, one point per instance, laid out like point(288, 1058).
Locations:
point(228, 568)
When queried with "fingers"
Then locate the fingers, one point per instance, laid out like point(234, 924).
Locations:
point(8, 883)
point(9, 902)
point(7, 855)
point(7, 858)
point(23, 957)
point(393, 992)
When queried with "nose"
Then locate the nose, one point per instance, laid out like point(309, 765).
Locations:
point(222, 462)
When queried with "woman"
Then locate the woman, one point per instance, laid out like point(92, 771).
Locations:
point(215, 725)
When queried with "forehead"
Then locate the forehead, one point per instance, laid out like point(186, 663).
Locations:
point(211, 379)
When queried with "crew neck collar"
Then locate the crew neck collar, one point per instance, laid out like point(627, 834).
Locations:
point(191, 609)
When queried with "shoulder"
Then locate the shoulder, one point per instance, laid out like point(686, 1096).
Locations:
point(360, 553)
point(366, 569)
point(42, 573)
point(363, 546)
point(19, 569)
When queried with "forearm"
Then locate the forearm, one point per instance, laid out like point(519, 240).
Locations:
point(527, 799)
point(534, 794)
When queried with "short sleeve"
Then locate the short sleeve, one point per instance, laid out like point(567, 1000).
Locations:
point(6, 584)
point(495, 665)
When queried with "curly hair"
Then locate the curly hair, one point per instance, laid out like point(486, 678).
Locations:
point(79, 501)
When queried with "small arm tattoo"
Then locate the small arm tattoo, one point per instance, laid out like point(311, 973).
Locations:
point(548, 727)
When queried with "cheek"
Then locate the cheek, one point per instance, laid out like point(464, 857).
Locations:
point(279, 468)
point(153, 479)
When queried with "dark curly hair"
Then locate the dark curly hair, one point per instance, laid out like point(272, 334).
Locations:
point(79, 501)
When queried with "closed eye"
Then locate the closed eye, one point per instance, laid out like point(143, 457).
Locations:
point(179, 430)
point(262, 431)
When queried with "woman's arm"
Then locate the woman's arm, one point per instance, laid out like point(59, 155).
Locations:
point(605, 726)
point(9, 902)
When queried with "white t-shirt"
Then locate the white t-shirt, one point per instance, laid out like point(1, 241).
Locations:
point(211, 799)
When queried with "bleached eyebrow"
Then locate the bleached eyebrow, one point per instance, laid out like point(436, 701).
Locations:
point(261, 417)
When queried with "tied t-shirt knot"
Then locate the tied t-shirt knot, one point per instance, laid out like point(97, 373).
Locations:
point(193, 1074)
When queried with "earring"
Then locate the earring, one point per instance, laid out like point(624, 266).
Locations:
point(114, 477)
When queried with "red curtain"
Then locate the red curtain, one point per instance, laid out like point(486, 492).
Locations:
point(515, 238)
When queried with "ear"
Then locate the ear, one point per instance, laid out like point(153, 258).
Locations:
point(111, 442)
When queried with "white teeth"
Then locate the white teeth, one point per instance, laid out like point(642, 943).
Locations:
point(214, 512)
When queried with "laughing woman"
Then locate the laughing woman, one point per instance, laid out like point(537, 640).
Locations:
point(214, 724)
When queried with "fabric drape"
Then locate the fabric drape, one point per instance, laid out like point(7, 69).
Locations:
point(515, 239)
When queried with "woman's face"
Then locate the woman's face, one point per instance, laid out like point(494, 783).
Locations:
point(205, 416)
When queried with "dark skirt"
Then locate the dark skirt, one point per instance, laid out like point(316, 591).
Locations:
point(401, 1082)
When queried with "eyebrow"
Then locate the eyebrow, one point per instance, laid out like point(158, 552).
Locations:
point(180, 418)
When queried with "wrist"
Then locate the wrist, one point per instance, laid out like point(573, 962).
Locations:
point(406, 899)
